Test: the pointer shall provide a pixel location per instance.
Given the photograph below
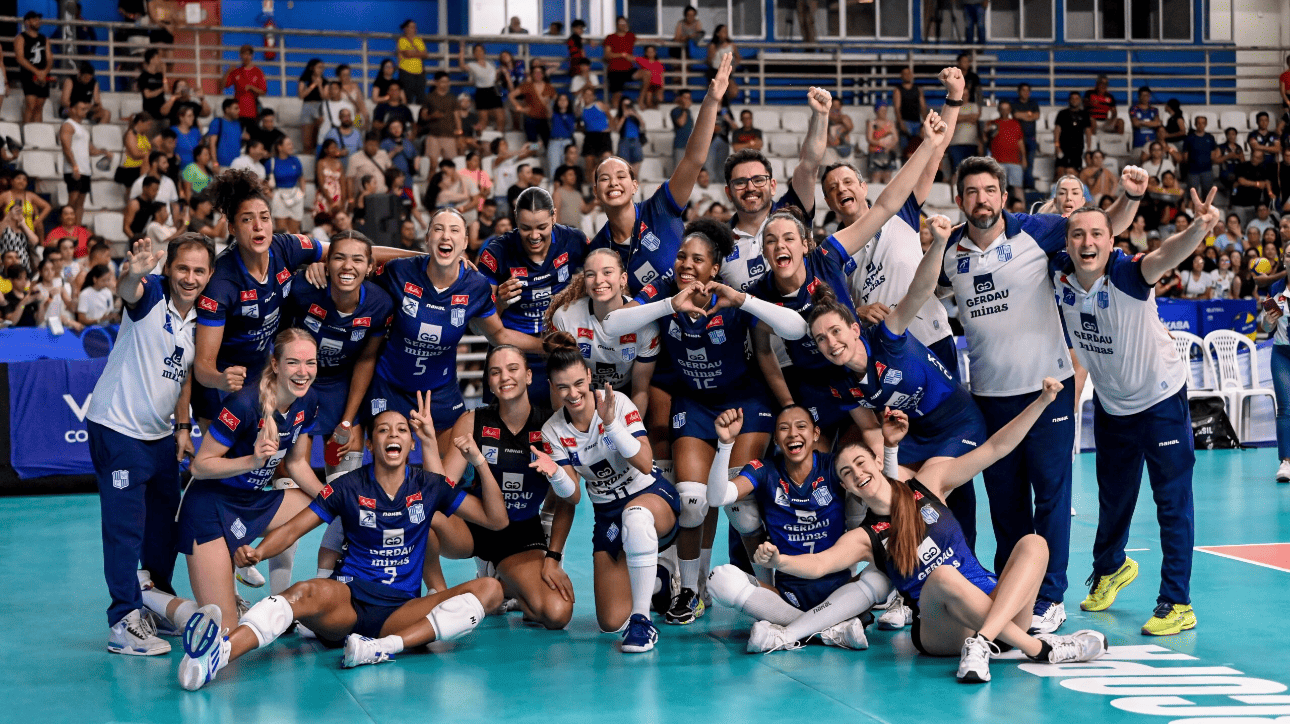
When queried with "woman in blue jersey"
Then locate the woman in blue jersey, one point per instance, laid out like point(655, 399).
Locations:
point(803, 507)
point(797, 270)
point(436, 298)
point(704, 328)
point(527, 564)
point(373, 604)
point(528, 267)
point(135, 452)
point(911, 535)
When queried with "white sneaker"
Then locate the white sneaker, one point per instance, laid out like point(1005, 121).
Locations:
point(848, 635)
point(206, 648)
point(304, 631)
point(243, 605)
point(1047, 617)
point(1084, 645)
point(897, 616)
point(137, 636)
point(766, 637)
point(360, 650)
point(508, 605)
point(249, 576)
point(974, 662)
point(1283, 472)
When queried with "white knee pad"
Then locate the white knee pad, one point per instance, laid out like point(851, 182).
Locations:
point(351, 461)
point(268, 619)
point(694, 503)
point(855, 511)
point(640, 540)
point(334, 538)
point(730, 586)
point(456, 617)
point(744, 515)
point(668, 469)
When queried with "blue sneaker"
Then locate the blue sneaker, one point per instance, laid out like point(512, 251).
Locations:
point(1047, 617)
point(206, 648)
point(640, 636)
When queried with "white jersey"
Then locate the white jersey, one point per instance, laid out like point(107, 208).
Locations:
point(153, 355)
point(1006, 305)
point(1118, 336)
point(592, 455)
point(885, 268)
point(611, 357)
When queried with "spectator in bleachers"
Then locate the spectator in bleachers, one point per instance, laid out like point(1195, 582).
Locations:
point(22, 304)
point(576, 44)
point(1243, 284)
point(650, 77)
point(31, 50)
point(395, 109)
point(441, 134)
point(184, 96)
point(1136, 234)
point(689, 29)
point(1283, 85)
point(97, 301)
point(408, 240)
point(682, 123)
point(161, 228)
point(1230, 155)
point(69, 226)
point(167, 142)
point(506, 168)
point(370, 161)
point(139, 209)
point(329, 174)
point(515, 27)
point(70, 264)
point(475, 172)
point(158, 166)
point(34, 209)
point(408, 208)
point(630, 128)
point(1008, 147)
point(470, 121)
point(137, 146)
point(74, 138)
point(1169, 286)
point(620, 57)
point(1253, 239)
point(745, 136)
point(1263, 218)
point(1097, 177)
point(402, 152)
point(563, 124)
point(1231, 236)
point(523, 180)
point(570, 204)
point(1167, 195)
point(971, 81)
point(287, 179)
point(201, 219)
point(1195, 281)
point(152, 86)
point(719, 212)
point(412, 56)
point(17, 237)
point(1200, 152)
point(309, 88)
point(1224, 278)
point(482, 228)
point(582, 78)
point(253, 159)
point(56, 294)
point(974, 19)
point(383, 81)
point(1283, 183)
point(703, 194)
point(100, 254)
point(910, 104)
point(1101, 108)
point(572, 157)
point(1264, 139)
point(187, 136)
point(348, 138)
point(352, 91)
point(267, 130)
point(1156, 162)
point(510, 75)
point(341, 221)
point(84, 87)
point(1072, 129)
point(881, 137)
point(533, 99)
point(1175, 125)
point(225, 135)
point(198, 174)
point(1253, 186)
point(718, 48)
point(483, 76)
point(1146, 122)
point(966, 141)
point(719, 149)
point(248, 85)
point(1026, 111)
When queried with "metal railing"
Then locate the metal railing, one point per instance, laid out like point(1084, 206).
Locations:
point(855, 72)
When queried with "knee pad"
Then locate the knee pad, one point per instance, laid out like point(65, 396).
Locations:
point(268, 619)
point(640, 540)
point(334, 538)
point(694, 503)
point(730, 586)
point(456, 617)
point(744, 515)
point(855, 511)
point(668, 470)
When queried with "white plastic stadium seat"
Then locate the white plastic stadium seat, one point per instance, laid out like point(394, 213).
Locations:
point(796, 121)
point(11, 107)
point(107, 224)
point(652, 170)
point(653, 118)
point(941, 194)
point(110, 172)
point(107, 137)
point(765, 120)
point(108, 195)
point(1233, 119)
point(41, 165)
point(49, 113)
point(40, 136)
point(783, 144)
point(131, 105)
point(10, 130)
point(1225, 346)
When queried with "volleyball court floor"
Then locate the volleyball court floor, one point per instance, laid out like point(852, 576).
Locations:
point(1232, 668)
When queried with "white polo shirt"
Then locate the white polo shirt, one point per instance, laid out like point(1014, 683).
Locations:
point(145, 372)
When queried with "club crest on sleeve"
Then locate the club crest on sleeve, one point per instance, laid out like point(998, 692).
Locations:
point(248, 295)
point(228, 419)
point(815, 283)
point(205, 302)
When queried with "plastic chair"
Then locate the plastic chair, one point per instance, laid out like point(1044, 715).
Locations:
point(1085, 397)
point(796, 121)
point(1185, 342)
point(1225, 346)
point(41, 136)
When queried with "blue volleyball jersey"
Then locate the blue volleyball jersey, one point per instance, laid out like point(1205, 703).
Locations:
point(385, 538)
point(238, 425)
point(709, 352)
point(651, 251)
point(508, 456)
point(421, 347)
point(943, 544)
point(340, 337)
point(248, 310)
point(799, 519)
point(504, 258)
point(829, 264)
point(902, 374)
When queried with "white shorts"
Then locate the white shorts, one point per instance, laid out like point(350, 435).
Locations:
point(289, 203)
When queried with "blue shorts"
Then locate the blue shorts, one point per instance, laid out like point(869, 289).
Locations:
point(333, 393)
point(606, 529)
point(206, 401)
point(694, 416)
point(213, 510)
point(824, 393)
point(373, 604)
point(954, 428)
point(805, 593)
point(446, 403)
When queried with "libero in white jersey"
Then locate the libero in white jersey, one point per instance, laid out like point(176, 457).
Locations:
point(612, 357)
point(592, 454)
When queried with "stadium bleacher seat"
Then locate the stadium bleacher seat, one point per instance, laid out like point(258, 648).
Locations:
point(796, 121)
point(940, 195)
point(308, 163)
point(11, 107)
point(130, 105)
point(107, 224)
point(42, 165)
point(107, 137)
point(112, 103)
point(40, 136)
point(49, 114)
point(1240, 120)
point(653, 118)
point(652, 170)
point(777, 170)
point(765, 119)
point(10, 130)
point(107, 173)
point(783, 144)
point(106, 195)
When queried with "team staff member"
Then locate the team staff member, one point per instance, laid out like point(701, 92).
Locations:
point(134, 450)
point(997, 265)
point(376, 610)
point(528, 266)
point(1139, 403)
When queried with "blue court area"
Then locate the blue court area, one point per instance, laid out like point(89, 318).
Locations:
point(1232, 667)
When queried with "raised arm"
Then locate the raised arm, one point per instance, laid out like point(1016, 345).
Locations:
point(137, 264)
point(681, 184)
point(1178, 247)
point(923, 284)
point(722, 490)
point(952, 79)
point(808, 161)
point(1133, 184)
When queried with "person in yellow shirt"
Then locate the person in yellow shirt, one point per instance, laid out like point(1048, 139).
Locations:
point(412, 74)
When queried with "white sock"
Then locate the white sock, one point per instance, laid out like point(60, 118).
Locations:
point(640, 548)
point(323, 573)
point(765, 575)
point(764, 604)
point(157, 601)
point(690, 574)
point(183, 612)
point(848, 601)
point(280, 570)
point(391, 644)
point(642, 581)
point(705, 562)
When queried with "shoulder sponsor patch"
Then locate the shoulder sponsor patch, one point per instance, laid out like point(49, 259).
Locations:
point(300, 417)
point(633, 418)
point(228, 419)
point(412, 289)
point(305, 242)
point(487, 259)
point(205, 302)
point(326, 492)
point(756, 464)
point(362, 322)
point(283, 276)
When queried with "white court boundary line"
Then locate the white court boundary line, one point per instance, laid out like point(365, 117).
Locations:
point(1204, 549)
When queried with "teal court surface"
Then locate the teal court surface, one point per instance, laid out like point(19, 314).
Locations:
point(1234, 667)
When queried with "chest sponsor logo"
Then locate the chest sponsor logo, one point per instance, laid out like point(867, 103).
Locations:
point(300, 417)
point(716, 321)
point(362, 322)
point(646, 273)
point(696, 355)
point(317, 311)
point(929, 514)
point(460, 300)
point(756, 267)
point(416, 514)
point(367, 502)
point(490, 453)
point(251, 310)
point(330, 346)
point(512, 482)
point(411, 306)
point(493, 432)
point(519, 272)
point(734, 254)
point(983, 283)
point(928, 551)
point(367, 518)
point(673, 330)
point(1088, 322)
point(282, 278)
point(568, 442)
point(781, 495)
point(1068, 297)
point(431, 333)
point(602, 470)
point(248, 295)
point(964, 264)
point(392, 538)
point(412, 290)
point(585, 349)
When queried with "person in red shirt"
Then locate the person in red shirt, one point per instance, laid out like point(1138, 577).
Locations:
point(651, 77)
point(248, 85)
point(67, 227)
point(1284, 85)
point(620, 59)
point(1101, 108)
point(1008, 146)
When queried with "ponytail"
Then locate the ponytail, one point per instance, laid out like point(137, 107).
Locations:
point(562, 352)
point(825, 301)
point(907, 525)
point(269, 377)
point(576, 290)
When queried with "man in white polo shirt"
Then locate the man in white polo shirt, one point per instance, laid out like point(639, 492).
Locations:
point(997, 266)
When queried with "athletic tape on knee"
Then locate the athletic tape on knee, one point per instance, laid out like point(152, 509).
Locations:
point(640, 540)
point(744, 515)
point(730, 586)
point(334, 539)
point(268, 619)
point(694, 503)
point(456, 617)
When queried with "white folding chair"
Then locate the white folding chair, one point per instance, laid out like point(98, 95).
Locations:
point(1085, 397)
point(1226, 346)
point(1185, 342)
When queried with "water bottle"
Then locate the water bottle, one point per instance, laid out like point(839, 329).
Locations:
point(331, 451)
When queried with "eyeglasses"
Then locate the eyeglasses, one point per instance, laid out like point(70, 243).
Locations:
point(743, 183)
